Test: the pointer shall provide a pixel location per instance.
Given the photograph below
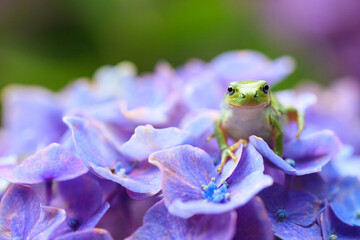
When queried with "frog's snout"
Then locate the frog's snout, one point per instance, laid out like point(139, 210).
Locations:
point(255, 95)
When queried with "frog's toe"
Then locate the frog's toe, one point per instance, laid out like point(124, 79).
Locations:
point(236, 145)
point(211, 136)
point(233, 157)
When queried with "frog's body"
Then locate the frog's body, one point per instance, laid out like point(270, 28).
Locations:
point(241, 123)
point(249, 109)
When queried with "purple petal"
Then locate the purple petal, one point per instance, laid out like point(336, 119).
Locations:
point(317, 145)
point(81, 197)
point(95, 218)
point(248, 178)
point(143, 180)
point(266, 152)
point(196, 98)
point(108, 112)
point(183, 169)
point(50, 219)
point(52, 163)
point(300, 207)
point(310, 153)
point(243, 65)
point(253, 222)
point(303, 214)
point(315, 184)
point(95, 145)
point(19, 211)
point(301, 101)
point(100, 151)
point(287, 230)
point(160, 224)
point(200, 126)
point(33, 117)
point(147, 140)
point(230, 165)
point(91, 234)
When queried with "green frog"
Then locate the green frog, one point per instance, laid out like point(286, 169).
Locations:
point(250, 108)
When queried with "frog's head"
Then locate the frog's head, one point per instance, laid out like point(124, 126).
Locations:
point(248, 94)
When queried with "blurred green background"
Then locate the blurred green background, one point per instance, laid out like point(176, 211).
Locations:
point(53, 42)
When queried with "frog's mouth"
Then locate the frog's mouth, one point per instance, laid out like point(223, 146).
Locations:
point(250, 105)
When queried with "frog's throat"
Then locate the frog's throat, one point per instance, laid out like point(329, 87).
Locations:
point(249, 107)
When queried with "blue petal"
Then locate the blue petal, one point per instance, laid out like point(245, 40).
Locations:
point(346, 203)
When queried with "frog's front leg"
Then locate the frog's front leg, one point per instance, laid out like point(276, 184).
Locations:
point(294, 115)
point(277, 136)
point(226, 151)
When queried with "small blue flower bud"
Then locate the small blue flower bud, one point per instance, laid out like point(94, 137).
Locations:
point(281, 215)
point(333, 237)
point(213, 193)
point(73, 223)
point(224, 182)
point(290, 161)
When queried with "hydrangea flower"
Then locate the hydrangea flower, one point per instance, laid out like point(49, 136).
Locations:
point(292, 213)
point(169, 162)
point(189, 177)
point(158, 223)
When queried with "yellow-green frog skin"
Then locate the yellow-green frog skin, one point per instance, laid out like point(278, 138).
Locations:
point(250, 108)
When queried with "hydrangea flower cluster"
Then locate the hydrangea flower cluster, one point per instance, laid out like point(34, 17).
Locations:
point(127, 156)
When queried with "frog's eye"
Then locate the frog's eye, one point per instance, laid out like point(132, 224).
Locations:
point(266, 88)
point(230, 90)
